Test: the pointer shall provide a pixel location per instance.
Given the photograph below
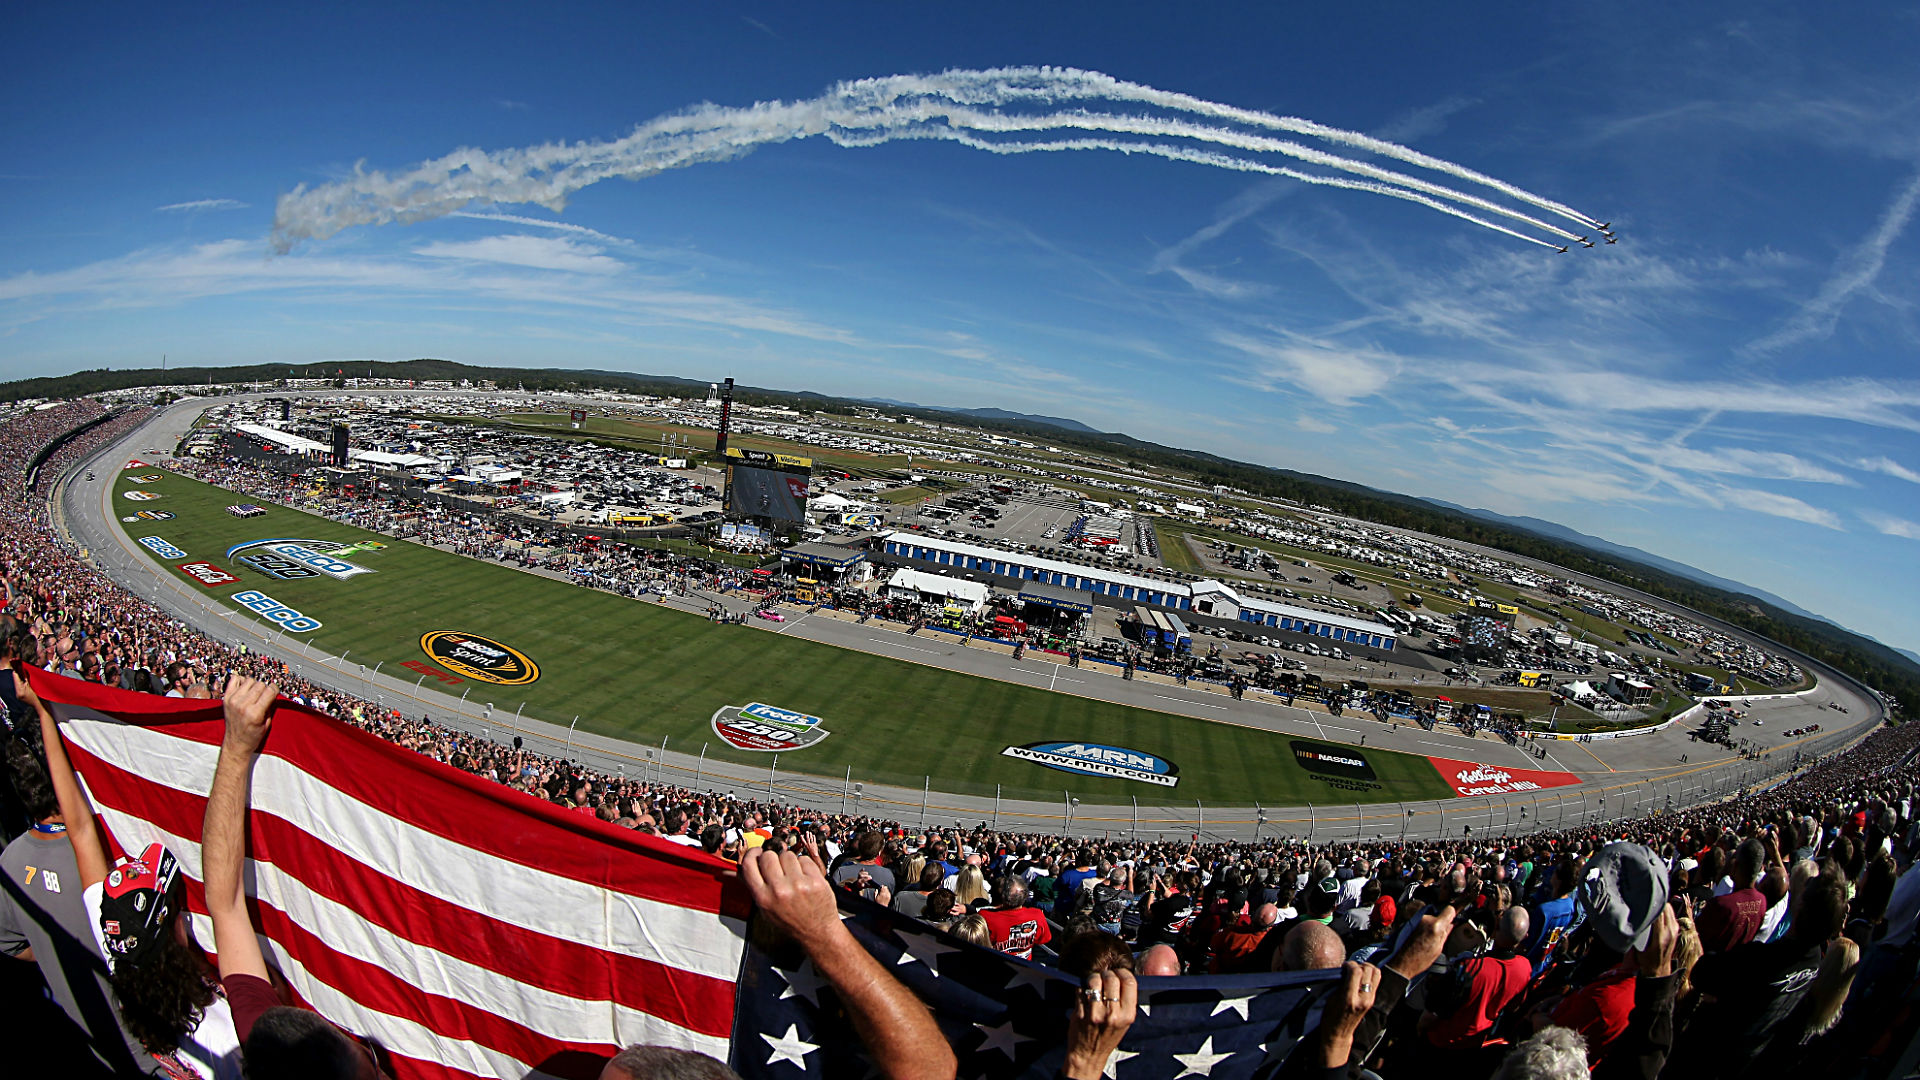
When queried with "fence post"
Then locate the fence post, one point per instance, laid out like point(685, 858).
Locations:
point(770, 770)
point(1136, 816)
point(1200, 817)
point(1309, 823)
point(926, 784)
point(996, 807)
point(700, 769)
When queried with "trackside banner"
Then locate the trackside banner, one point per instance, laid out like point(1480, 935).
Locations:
point(1467, 778)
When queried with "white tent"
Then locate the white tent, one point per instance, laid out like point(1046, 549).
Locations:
point(971, 595)
point(831, 502)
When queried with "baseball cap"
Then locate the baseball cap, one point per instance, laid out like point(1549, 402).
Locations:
point(1624, 888)
point(136, 900)
point(1327, 885)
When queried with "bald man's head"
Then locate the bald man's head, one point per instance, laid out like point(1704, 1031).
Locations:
point(1514, 924)
point(1160, 960)
point(1311, 946)
point(1266, 915)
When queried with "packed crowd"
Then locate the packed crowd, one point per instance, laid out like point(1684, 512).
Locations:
point(1740, 938)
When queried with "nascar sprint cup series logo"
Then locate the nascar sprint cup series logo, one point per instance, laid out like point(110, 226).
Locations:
point(288, 558)
point(475, 657)
point(767, 728)
point(1095, 759)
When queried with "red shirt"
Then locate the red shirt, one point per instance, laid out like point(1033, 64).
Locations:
point(1496, 982)
point(1598, 1010)
point(1732, 920)
point(248, 996)
point(1017, 930)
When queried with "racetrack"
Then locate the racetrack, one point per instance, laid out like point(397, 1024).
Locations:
point(741, 664)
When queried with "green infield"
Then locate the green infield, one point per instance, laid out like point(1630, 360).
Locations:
point(644, 671)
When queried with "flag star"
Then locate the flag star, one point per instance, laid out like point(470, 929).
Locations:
point(1113, 1062)
point(1237, 1004)
point(924, 948)
point(1145, 1009)
point(803, 981)
point(1002, 1038)
point(1198, 1063)
point(1031, 975)
point(790, 1047)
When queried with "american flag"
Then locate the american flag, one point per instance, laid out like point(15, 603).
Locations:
point(245, 510)
point(472, 930)
point(475, 931)
point(1006, 1018)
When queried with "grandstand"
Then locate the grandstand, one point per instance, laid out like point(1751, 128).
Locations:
point(1760, 934)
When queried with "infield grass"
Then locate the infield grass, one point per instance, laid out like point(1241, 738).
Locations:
point(641, 671)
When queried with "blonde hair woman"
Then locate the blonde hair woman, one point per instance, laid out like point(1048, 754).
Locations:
point(971, 886)
point(974, 931)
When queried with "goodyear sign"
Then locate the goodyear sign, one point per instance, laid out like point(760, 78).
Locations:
point(767, 729)
point(479, 658)
point(1095, 759)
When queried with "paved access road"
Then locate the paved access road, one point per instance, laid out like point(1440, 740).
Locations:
point(1620, 776)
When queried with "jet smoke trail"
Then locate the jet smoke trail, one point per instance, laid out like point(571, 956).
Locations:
point(976, 109)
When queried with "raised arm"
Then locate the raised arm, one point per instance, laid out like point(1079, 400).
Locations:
point(223, 833)
point(899, 1033)
point(83, 829)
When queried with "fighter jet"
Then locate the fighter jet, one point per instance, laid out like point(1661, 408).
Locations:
point(1604, 226)
point(1588, 243)
point(1613, 239)
point(1561, 250)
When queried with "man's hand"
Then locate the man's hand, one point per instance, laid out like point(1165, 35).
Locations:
point(1424, 945)
point(1100, 1019)
point(1656, 960)
point(791, 891)
point(249, 703)
point(1345, 1009)
point(23, 690)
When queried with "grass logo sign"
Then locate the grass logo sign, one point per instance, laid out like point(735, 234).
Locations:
point(478, 658)
point(1095, 759)
point(767, 728)
point(290, 559)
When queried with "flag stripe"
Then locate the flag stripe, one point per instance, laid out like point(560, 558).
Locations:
point(505, 892)
point(351, 902)
point(474, 930)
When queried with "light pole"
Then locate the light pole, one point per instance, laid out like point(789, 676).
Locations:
point(1070, 802)
point(576, 720)
point(857, 789)
point(1260, 818)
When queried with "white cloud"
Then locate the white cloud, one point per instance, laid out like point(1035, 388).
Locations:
point(1889, 467)
point(1781, 506)
point(203, 204)
point(1858, 269)
point(1892, 526)
point(538, 252)
point(1313, 424)
point(1334, 374)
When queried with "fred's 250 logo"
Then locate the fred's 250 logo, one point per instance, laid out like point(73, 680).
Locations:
point(479, 658)
point(767, 728)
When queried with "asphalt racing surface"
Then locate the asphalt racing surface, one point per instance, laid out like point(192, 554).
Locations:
point(1620, 777)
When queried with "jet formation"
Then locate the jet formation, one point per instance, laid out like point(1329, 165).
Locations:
point(1605, 228)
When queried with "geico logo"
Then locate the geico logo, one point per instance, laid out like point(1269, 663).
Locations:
point(277, 567)
point(161, 548)
point(326, 564)
point(275, 611)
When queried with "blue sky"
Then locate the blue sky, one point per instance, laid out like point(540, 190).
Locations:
point(1733, 384)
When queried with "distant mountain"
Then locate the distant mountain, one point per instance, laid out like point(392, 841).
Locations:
point(1060, 422)
point(1908, 653)
point(1556, 531)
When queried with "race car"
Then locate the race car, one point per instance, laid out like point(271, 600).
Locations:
point(771, 615)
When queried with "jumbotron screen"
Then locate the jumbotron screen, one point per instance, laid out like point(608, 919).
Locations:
point(768, 485)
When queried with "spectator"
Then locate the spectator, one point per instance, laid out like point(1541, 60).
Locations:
point(1014, 927)
point(664, 1063)
point(167, 995)
point(44, 921)
point(973, 930)
point(1735, 917)
point(1232, 948)
point(913, 902)
point(1457, 1024)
